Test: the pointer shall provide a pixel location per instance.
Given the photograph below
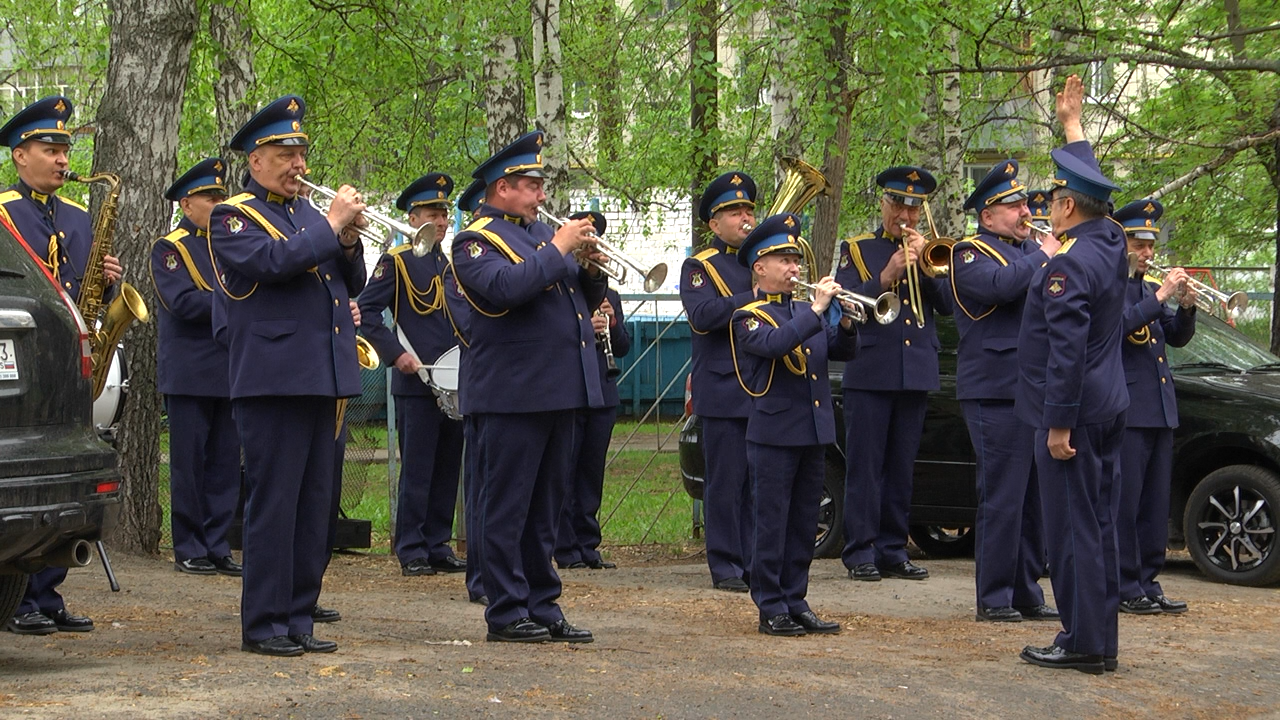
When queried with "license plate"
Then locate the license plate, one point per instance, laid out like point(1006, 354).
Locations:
point(8, 359)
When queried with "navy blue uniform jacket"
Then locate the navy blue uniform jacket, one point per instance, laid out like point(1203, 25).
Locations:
point(288, 284)
point(712, 286)
point(532, 347)
point(781, 348)
point(1149, 325)
point(189, 361)
point(901, 355)
point(57, 230)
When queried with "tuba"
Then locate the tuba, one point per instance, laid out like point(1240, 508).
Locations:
point(126, 307)
point(801, 183)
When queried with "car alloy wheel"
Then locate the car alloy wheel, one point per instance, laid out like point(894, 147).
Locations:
point(1230, 525)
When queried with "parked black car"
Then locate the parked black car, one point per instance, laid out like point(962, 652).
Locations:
point(59, 484)
point(1226, 477)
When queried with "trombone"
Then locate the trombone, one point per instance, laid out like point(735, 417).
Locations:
point(914, 297)
point(616, 263)
point(884, 308)
point(422, 238)
point(936, 256)
point(1208, 298)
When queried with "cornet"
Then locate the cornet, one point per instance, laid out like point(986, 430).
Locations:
point(422, 238)
point(616, 263)
point(885, 308)
point(1208, 298)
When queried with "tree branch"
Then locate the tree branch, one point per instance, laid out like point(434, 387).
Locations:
point(1229, 151)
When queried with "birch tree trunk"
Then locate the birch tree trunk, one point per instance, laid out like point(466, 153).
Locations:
point(137, 138)
point(232, 32)
point(503, 92)
point(948, 210)
point(548, 101)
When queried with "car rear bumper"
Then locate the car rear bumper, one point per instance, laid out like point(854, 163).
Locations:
point(41, 515)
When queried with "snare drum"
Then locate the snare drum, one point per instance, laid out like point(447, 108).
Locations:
point(444, 381)
point(109, 406)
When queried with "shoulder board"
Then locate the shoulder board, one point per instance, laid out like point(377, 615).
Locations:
point(986, 249)
point(9, 196)
point(175, 236)
point(706, 254)
point(72, 203)
point(479, 224)
point(1152, 279)
point(751, 306)
point(860, 238)
point(1066, 246)
point(399, 249)
point(238, 199)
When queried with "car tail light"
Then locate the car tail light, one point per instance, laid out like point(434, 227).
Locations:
point(688, 395)
point(86, 350)
point(106, 487)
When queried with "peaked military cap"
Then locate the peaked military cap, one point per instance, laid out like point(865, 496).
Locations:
point(470, 198)
point(1038, 204)
point(728, 190)
point(1139, 218)
point(430, 189)
point(278, 123)
point(908, 184)
point(1000, 186)
point(776, 235)
point(597, 220)
point(208, 175)
point(1078, 170)
point(522, 157)
point(44, 120)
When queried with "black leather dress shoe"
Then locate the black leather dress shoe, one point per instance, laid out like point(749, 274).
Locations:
point(810, 621)
point(66, 622)
point(450, 564)
point(905, 570)
point(998, 614)
point(1037, 612)
point(319, 614)
point(1140, 606)
point(1170, 605)
point(781, 625)
point(1056, 657)
point(195, 566)
point(575, 565)
point(1110, 664)
point(732, 585)
point(562, 631)
point(278, 646)
point(227, 566)
point(864, 571)
point(416, 567)
point(310, 643)
point(522, 630)
point(32, 623)
point(601, 564)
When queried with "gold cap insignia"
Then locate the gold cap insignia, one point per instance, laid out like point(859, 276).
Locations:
point(60, 107)
point(738, 194)
point(911, 188)
point(61, 126)
point(440, 181)
point(1039, 197)
point(296, 126)
point(789, 223)
point(1008, 169)
point(293, 106)
point(217, 180)
point(736, 181)
point(539, 141)
point(913, 176)
point(217, 166)
point(1149, 209)
point(1149, 223)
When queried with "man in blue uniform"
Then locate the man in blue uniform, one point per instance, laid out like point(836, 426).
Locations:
point(578, 537)
point(191, 370)
point(1038, 206)
point(430, 442)
point(780, 348)
point(530, 367)
point(1071, 389)
point(886, 387)
point(288, 273)
point(990, 274)
point(1146, 462)
point(712, 285)
point(59, 231)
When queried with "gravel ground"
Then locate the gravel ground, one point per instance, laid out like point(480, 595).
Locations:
point(667, 646)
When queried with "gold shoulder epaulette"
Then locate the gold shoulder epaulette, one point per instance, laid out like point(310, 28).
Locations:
point(176, 235)
point(860, 238)
point(751, 306)
point(479, 224)
point(399, 249)
point(1066, 245)
point(9, 196)
point(72, 203)
point(238, 199)
point(706, 254)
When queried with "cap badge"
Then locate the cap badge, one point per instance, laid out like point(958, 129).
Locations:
point(789, 223)
point(296, 126)
point(440, 181)
point(736, 181)
point(1008, 169)
point(1149, 209)
point(913, 176)
point(217, 166)
point(293, 106)
point(60, 107)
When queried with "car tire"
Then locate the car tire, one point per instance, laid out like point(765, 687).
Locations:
point(12, 588)
point(830, 538)
point(943, 542)
point(1230, 525)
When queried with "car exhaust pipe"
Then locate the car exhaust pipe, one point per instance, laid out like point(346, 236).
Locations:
point(77, 553)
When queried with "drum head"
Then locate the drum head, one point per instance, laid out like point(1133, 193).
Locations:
point(109, 406)
point(445, 372)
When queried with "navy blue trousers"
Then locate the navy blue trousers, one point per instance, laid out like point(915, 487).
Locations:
point(1081, 498)
point(430, 456)
point(524, 459)
point(1142, 527)
point(289, 445)
point(578, 536)
point(788, 489)
point(472, 484)
point(204, 475)
point(42, 592)
point(882, 436)
point(726, 497)
point(1009, 554)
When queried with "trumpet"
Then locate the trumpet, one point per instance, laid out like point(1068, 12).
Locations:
point(884, 308)
point(1208, 298)
point(617, 263)
point(422, 238)
point(1047, 231)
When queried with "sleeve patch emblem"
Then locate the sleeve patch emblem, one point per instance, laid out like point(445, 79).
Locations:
point(967, 256)
point(844, 260)
point(751, 324)
point(1057, 285)
point(171, 261)
point(697, 279)
point(475, 249)
point(379, 271)
point(234, 224)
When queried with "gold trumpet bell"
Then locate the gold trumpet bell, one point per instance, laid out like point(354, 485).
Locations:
point(366, 355)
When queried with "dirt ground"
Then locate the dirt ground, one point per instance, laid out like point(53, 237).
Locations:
point(667, 646)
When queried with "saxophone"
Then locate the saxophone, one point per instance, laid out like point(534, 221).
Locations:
point(126, 307)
